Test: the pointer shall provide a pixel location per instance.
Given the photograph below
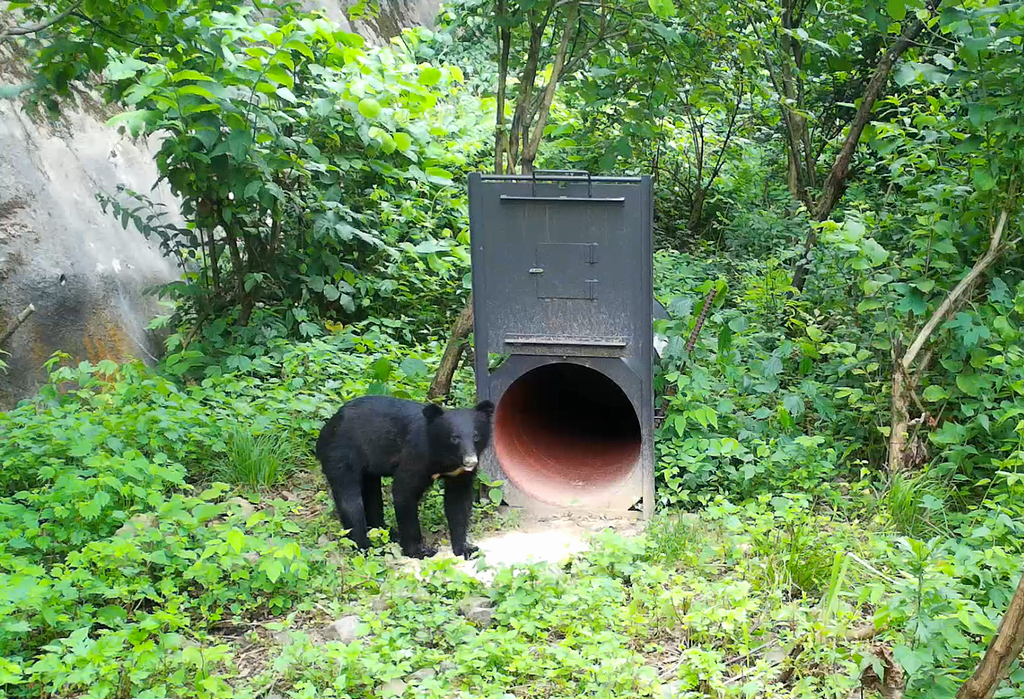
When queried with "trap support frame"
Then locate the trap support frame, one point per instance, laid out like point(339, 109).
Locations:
point(562, 292)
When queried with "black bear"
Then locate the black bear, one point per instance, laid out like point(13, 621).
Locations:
point(415, 444)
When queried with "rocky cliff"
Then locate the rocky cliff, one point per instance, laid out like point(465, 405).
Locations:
point(84, 274)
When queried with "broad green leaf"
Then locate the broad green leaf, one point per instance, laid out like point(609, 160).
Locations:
point(272, 567)
point(369, 108)
point(135, 121)
point(662, 8)
point(933, 394)
point(198, 91)
point(897, 9)
point(429, 76)
point(440, 174)
point(190, 75)
point(402, 141)
point(125, 68)
point(971, 384)
point(983, 179)
point(413, 367)
point(875, 253)
point(794, 404)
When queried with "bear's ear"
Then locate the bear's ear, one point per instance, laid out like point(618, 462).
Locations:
point(432, 411)
point(486, 407)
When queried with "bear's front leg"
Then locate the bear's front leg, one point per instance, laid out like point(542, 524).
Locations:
point(458, 506)
point(407, 496)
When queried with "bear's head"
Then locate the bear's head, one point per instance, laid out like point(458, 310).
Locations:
point(456, 438)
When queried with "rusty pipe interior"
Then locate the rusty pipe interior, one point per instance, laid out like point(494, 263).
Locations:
point(565, 432)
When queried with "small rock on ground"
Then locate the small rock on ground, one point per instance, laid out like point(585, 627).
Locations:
point(345, 629)
point(477, 610)
point(392, 688)
point(421, 675)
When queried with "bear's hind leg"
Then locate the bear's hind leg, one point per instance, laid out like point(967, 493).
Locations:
point(373, 503)
point(348, 500)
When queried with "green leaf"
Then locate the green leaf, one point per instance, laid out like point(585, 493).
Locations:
point(238, 143)
point(897, 9)
point(331, 292)
point(413, 367)
point(124, 68)
point(236, 540)
point(662, 8)
point(381, 369)
point(190, 75)
point(495, 495)
point(983, 179)
point(875, 253)
point(794, 404)
point(286, 94)
point(369, 108)
point(252, 189)
point(933, 394)
point(272, 567)
point(971, 384)
point(443, 175)
point(135, 121)
point(402, 141)
point(430, 76)
point(281, 76)
point(907, 658)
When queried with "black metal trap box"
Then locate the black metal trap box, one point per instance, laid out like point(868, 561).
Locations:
point(562, 289)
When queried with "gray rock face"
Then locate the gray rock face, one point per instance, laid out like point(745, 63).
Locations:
point(81, 270)
point(84, 273)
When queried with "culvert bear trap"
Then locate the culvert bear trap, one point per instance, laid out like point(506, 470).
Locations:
point(562, 288)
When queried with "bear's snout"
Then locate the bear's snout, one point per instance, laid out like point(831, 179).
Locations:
point(469, 461)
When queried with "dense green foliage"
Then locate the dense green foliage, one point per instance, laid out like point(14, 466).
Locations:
point(841, 449)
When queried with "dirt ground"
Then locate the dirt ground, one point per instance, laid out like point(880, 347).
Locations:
point(540, 536)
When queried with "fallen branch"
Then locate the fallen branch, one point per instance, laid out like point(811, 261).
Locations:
point(16, 323)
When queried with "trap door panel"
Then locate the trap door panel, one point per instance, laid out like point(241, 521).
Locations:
point(559, 262)
point(566, 271)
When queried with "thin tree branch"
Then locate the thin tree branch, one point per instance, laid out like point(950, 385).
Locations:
point(39, 26)
point(954, 298)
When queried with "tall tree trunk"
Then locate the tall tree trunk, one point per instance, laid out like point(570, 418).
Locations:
point(696, 209)
point(1002, 651)
point(835, 182)
point(531, 147)
point(504, 46)
point(899, 420)
point(238, 266)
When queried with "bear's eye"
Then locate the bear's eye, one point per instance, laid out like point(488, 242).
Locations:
point(476, 436)
point(455, 440)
